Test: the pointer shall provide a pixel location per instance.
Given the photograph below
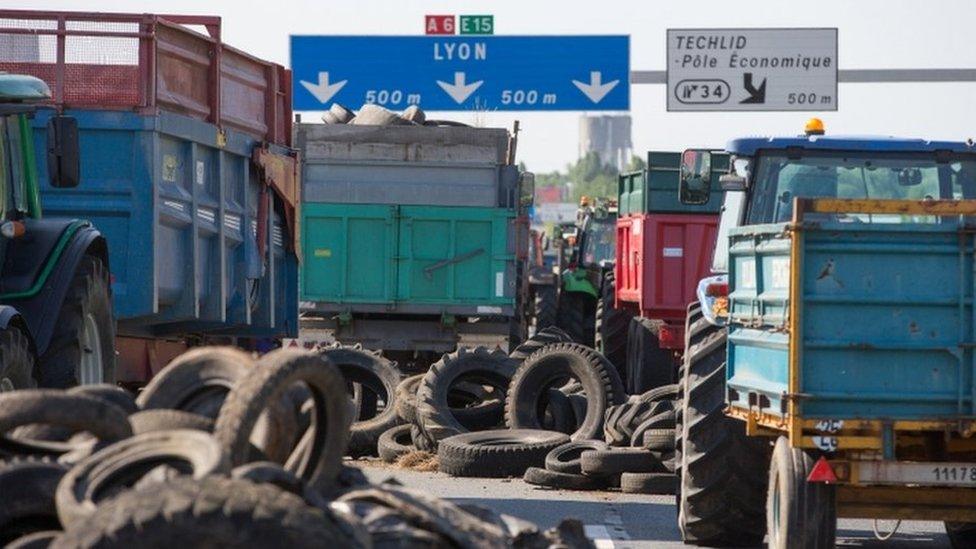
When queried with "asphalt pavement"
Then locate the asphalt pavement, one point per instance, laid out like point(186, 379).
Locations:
point(620, 521)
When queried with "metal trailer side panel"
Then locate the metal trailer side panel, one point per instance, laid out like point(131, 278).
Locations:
point(660, 259)
point(178, 203)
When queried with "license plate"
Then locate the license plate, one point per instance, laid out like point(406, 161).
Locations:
point(922, 474)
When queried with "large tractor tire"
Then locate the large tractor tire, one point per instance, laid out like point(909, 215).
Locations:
point(82, 347)
point(575, 316)
point(648, 365)
point(544, 307)
point(16, 360)
point(723, 473)
point(799, 514)
point(611, 327)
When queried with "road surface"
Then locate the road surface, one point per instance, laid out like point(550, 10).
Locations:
point(615, 520)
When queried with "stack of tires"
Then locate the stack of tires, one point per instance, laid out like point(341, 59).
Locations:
point(220, 448)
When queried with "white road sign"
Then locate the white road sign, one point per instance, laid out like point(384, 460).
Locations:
point(752, 69)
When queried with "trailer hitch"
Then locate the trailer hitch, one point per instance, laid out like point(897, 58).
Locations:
point(429, 270)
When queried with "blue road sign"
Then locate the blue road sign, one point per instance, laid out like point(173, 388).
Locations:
point(463, 73)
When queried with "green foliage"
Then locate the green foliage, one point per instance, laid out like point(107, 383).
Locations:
point(588, 177)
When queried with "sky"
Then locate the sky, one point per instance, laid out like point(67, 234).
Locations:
point(872, 34)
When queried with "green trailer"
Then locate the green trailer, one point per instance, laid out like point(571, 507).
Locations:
point(412, 238)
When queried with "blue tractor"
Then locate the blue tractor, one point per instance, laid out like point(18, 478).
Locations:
point(830, 362)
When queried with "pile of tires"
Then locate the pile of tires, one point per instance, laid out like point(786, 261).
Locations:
point(225, 449)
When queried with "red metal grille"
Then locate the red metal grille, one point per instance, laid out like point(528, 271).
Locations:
point(145, 62)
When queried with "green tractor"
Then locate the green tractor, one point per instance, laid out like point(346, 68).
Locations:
point(56, 323)
point(586, 288)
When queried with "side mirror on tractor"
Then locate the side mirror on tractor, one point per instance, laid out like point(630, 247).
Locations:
point(695, 184)
point(63, 164)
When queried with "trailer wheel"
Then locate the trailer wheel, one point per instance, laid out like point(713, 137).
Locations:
point(799, 514)
point(961, 534)
point(724, 474)
point(575, 316)
point(611, 327)
point(648, 365)
point(82, 347)
point(544, 306)
point(16, 360)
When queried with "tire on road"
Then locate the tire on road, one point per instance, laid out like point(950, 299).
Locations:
point(619, 460)
point(118, 466)
point(16, 359)
point(724, 473)
point(197, 381)
point(81, 349)
point(149, 421)
point(551, 366)
point(270, 379)
point(488, 367)
point(28, 488)
point(541, 338)
point(395, 442)
point(405, 399)
point(374, 374)
point(497, 454)
point(566, 458)
point(648, 483)
point(225, 512)
point(562, 481)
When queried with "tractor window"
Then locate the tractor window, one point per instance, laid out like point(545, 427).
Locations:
point(18, 178)
point(780, 179)
point(601, 238)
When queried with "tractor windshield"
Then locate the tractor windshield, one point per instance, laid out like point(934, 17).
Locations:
point(601, 237)
point(781, 178)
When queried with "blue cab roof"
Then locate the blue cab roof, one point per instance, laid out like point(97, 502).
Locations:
point(747, 146)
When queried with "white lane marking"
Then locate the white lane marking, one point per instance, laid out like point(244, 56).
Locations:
point(600, 535)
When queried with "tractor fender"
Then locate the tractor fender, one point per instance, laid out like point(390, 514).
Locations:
point(41, 305)
point(10, 316)
point(576, 281)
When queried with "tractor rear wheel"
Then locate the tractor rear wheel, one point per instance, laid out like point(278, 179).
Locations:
point(648, 365)
point(16, 360)
point(575, 317)
point(544, 306)
point(82, 347)
point(724, 473)
point(611, 327)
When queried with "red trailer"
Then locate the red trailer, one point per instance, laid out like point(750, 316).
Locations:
point(663, 249)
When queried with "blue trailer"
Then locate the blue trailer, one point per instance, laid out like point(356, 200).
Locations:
point(829, 364)
point(186, 169)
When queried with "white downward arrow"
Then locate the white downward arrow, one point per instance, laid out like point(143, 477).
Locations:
point(595, 90)
point(459, 91)
point(323, 91)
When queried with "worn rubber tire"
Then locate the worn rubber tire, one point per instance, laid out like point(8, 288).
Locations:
point(28, 488)
point(395, 442)
point(576, 316)
point(547, 367)
point(544, 306)
point(224, 512)
point(724, 473)
point(16, 360)
point(619, 460)
point(562, 481)
point(421, 440)
point(611, 327)
point(489, 367)
point(648, 483)
point(36, 540)
point(149, 421)
point(405, 401)
point(120, 465)
point(806, 516)
point(269, 472)
point(648, 365)
point(661, 440)
point(375, 375)
point(269, 380)
point(496, 454)
point(74, 412)
point(88, 295)
point(541, 338)
point(566, 458)
point(112, 394)
point(197, 381)
point(664, 420)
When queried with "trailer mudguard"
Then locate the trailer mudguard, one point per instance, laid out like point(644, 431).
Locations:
point(43, 263)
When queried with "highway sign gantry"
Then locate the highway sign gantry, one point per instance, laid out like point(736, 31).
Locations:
point(463, 73)
point(752, 69)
